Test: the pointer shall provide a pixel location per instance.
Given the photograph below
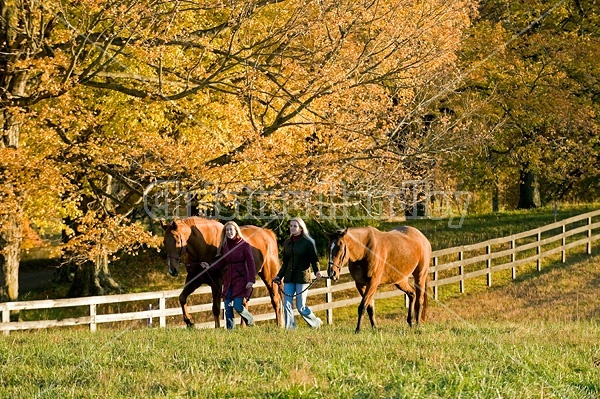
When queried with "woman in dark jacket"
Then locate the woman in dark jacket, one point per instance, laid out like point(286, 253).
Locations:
point(240, 274)
point(299, 257)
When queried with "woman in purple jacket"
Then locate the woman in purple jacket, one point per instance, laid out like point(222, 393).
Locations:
point(240, 274)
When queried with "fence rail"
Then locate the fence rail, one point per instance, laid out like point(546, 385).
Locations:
point(450, 266)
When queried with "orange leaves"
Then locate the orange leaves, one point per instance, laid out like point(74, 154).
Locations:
point(33, 184)
point(280, 94)
point(98, 235)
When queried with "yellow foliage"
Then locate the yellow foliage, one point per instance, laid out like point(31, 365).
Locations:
point(283, 95)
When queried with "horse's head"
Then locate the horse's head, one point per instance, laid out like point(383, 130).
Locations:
point(175, 242)
point(337, 249)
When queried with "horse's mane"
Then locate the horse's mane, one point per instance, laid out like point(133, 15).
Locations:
point(196, 220)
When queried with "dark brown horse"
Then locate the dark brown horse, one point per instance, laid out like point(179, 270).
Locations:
point(375, 258)
point(194, 240)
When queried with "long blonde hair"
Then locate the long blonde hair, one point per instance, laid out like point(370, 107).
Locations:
point(238, 233)
point(305, 232)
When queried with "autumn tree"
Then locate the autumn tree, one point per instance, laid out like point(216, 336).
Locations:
point(284, 94)
point(536, 61)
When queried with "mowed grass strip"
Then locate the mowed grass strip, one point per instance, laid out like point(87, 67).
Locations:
point(535, 338)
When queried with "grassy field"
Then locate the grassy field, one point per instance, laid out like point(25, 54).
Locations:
point(519, 342)
point(533, 359)
point(535, 337)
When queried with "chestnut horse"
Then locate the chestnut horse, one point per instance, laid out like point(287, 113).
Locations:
point(375, 258)
point(194, 240)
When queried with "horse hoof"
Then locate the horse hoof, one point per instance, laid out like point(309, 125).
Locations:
point(189, 324)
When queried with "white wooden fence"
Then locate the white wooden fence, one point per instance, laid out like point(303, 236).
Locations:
point(450, 265)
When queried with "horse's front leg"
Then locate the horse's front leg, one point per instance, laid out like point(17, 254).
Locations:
point(185, 293)
point(186, 316)
point(368, 302)
point(361, 307)
point(411, 308)
point(191, 284)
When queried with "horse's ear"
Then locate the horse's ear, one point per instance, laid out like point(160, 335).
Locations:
point(163, 224)
point(174, 225)
point(341, 233)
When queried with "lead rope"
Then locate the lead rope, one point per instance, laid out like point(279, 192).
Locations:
point(301, 292)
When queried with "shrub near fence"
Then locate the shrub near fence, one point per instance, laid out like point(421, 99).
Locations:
point(450, 266)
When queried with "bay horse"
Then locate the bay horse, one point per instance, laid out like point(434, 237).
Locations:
point(193, 240)
point(375, 258)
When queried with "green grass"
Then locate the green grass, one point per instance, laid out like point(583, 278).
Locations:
point(536, 337)
point(447, 360)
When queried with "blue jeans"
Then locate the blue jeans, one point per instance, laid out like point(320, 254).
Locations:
point(238, 305)
point(289, 290)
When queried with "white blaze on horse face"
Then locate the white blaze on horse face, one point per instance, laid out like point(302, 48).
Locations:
point(331, 252)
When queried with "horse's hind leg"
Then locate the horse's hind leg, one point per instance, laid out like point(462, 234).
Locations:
point(405, 286)
point(267, 274)
point(421, 297)
point(371, 313)
point(275, 301)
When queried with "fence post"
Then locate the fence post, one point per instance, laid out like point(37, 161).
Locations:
point(461, 273)
point(93, 317)
point(538, 251)
point(513, 257)
point(589, 236)
point(488, 264)
point(328, 300)
point(6, 319)
point(563, 242)
point(435, 277)
point(162, 306)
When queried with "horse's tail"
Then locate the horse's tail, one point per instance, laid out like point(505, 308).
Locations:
point(424, 310)
point(426, 262)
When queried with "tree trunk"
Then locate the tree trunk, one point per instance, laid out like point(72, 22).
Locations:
point(13, 81)
point(11, 225)
point(93, 279)
point(496, 198)
point(529, 191)
point(10, 256)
